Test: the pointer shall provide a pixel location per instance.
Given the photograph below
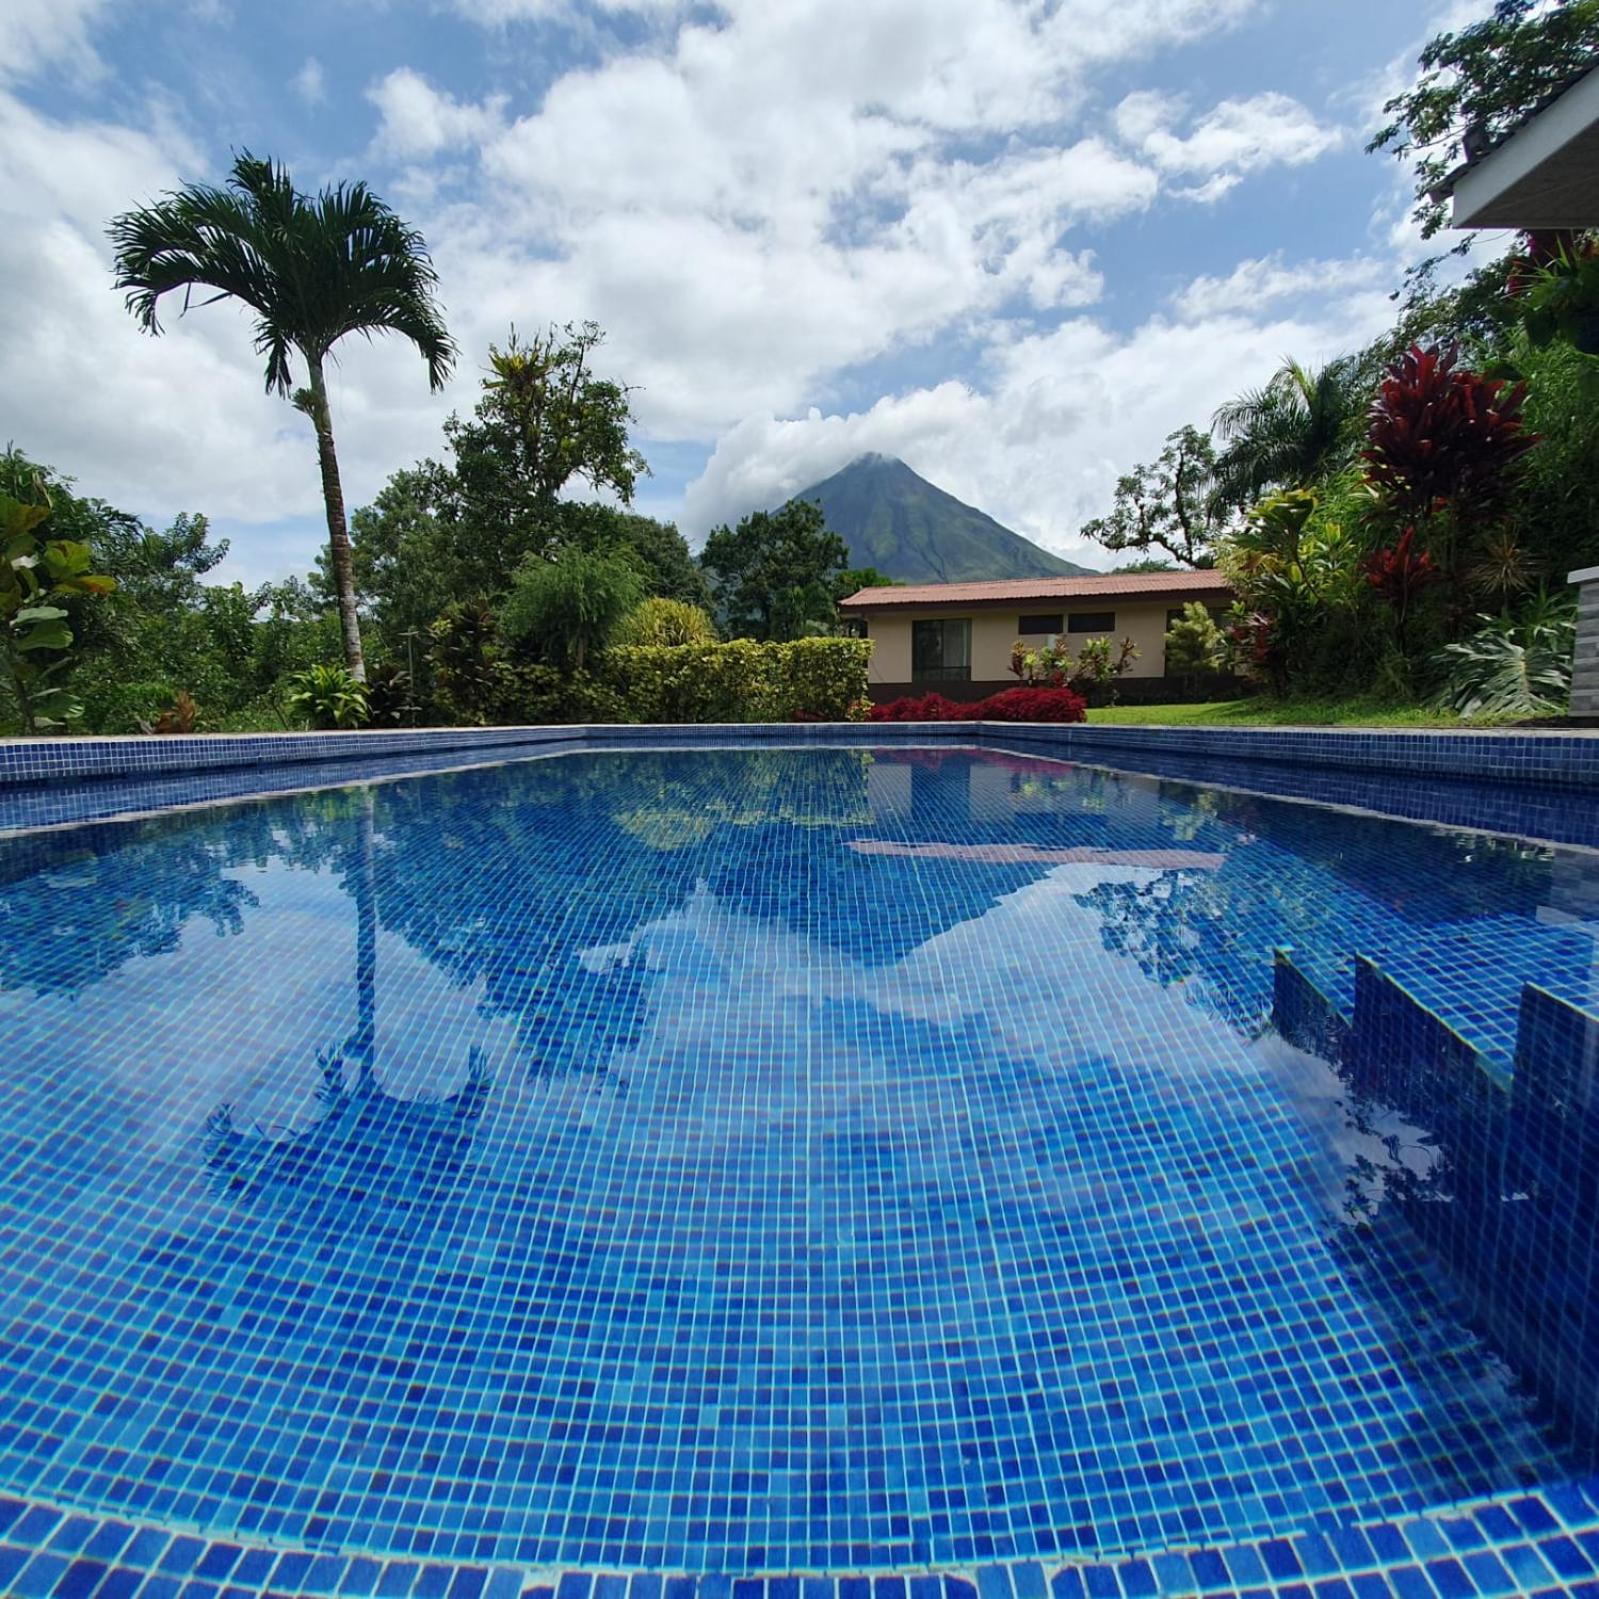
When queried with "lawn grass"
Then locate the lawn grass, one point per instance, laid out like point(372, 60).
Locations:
point(1266, 712)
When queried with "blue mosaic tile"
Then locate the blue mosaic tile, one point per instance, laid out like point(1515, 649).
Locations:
point(570, 1174)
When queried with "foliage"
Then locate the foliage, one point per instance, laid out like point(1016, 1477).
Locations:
point(388, 695)
point(1288, 434)
point(1511, 667)
point(544, 421)
point(665, 622)
point(1099, 662)
point(328, 697)
point(741, 680)
point(473, 682)
point(181, 716)
point(1009, 705)
point(773, 575)
point(564, 611)
point(312, 270)
point(657, 549)
point(1170, 505)
point(1195, 643)
point(1561, 298)
point(38, 575)
point(1294, 564)
point(449, 532)
point(1399, 572)
point(1476, 86)
point(1441, 435)
point(1031, 705)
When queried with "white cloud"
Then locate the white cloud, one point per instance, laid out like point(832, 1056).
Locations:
point(1057, 418)
point(38, 33)
point(418, 121)
point(310, 83)
point(753, 202)
point(1233, 138)
point(1267, 280)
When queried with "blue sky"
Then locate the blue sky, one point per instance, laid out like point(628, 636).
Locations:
point(1013, 241)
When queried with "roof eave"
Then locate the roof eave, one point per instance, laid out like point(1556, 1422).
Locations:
point(1545, 175)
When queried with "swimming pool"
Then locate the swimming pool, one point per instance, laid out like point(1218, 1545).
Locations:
point(757, 1163)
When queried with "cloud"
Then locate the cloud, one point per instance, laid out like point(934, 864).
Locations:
point(418, 121)
point(181, 422)
point(1267, 280)
point(310, 83)
point(1233, 138)
point(1040, 440)
point(35, 34)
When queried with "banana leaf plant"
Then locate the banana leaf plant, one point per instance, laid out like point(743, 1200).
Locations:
point(37, 574)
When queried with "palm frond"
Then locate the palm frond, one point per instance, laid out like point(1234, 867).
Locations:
point(312, 269)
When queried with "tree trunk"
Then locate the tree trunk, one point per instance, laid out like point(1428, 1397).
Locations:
point(338, 530)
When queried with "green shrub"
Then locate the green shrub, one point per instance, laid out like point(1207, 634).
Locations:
point(821, 677)
point(1513, 668)
point(564, 611)
point(1194, 643)
point(740, 681)
point(663, 622)
point(328, 697)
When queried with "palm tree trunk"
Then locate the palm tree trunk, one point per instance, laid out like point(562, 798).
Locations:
point(338, 529)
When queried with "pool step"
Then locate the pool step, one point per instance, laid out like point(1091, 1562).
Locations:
point(1471, 973)
point(1503, 1181)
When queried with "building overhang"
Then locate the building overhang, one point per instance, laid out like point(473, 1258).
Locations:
point(1544, 176)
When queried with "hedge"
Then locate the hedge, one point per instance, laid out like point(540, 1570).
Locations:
point(741, 681)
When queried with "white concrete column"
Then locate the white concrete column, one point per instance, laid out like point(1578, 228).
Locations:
point(1585, 669)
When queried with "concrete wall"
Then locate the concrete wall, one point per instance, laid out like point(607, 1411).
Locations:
point(994, 633)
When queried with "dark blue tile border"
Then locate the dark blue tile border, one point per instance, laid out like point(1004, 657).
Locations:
point(1552, 759)
point(1524, 1542)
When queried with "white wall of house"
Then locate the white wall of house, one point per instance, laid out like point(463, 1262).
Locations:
point(995, 632)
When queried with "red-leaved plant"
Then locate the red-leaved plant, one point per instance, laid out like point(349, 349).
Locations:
point(1398, 573)
point(1009, 705)
point(1442, 436)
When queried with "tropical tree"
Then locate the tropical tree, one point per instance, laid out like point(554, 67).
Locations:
point(1170, 505)
point(774, 574)
point(313, 269)
point(1289, 433)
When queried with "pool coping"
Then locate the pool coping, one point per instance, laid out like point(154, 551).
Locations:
point(1540, 758)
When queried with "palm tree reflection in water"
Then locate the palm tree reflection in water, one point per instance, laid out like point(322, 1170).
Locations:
point(368, 1148)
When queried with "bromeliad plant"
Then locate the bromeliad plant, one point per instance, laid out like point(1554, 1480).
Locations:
point(37, 574)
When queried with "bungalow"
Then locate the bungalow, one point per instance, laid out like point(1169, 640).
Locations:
point(957, 637)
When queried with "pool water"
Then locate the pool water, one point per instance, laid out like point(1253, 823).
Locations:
point(777, 1161)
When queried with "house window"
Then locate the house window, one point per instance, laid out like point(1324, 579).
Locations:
point(941, 650)
point(1026, 626)
point(1091, 622)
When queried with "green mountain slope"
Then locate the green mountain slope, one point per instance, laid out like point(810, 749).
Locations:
point(916, 533)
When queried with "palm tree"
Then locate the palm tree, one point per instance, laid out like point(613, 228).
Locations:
point(312, 270)
point(1288, 433)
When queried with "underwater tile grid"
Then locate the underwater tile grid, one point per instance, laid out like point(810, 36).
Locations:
point(816, 1173)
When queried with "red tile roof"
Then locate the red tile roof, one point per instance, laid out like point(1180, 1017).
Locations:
point(1027, 590)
